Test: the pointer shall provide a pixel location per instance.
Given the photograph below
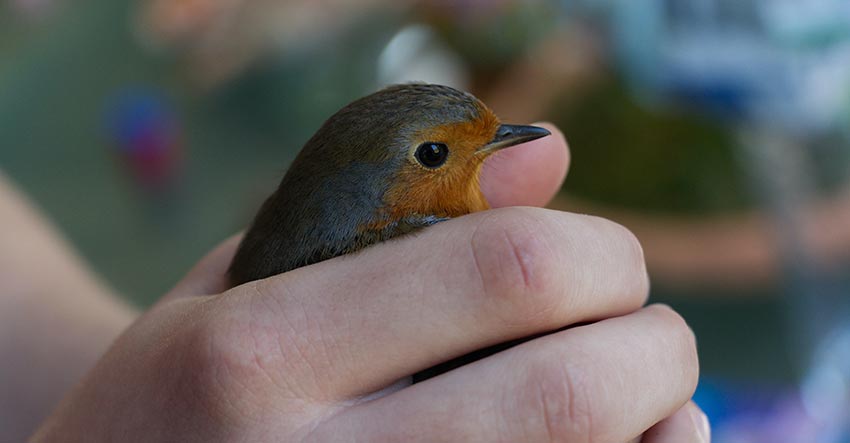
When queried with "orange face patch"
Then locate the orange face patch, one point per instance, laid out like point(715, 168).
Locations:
point(453, 189)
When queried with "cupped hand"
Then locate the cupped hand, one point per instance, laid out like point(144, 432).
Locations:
point(322, 353)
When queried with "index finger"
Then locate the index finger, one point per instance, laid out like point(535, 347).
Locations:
point(465, 284)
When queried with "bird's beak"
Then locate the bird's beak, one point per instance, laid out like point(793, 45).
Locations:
point(511, 135)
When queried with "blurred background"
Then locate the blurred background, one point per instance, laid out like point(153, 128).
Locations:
point(717, 130)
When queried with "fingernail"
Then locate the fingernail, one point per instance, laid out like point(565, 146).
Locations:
point(701, 423)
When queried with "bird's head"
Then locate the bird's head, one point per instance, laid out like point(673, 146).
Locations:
point(429, 142)
point(387, 164)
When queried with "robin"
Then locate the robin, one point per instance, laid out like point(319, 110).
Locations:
point(388, 164)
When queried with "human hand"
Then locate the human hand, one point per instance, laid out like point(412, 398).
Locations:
point(316, 354)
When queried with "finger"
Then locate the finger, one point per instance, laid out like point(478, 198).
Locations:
point(605, 382)
point(209, 276)
point(529, 174)
point(687, 425)
point(403, 306)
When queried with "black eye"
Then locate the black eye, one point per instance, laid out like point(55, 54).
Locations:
point(432, 155)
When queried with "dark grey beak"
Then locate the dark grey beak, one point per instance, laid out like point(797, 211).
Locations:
point(511, 135)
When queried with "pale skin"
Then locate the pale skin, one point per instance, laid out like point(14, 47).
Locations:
point(316, 354)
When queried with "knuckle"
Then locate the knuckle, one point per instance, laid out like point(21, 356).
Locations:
point(515, 265)
point(211, 351)
point(217, 368)
point(560, 406)
point(291, 341)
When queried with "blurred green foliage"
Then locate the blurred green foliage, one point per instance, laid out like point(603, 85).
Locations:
point(492, 44)
point(659, 160)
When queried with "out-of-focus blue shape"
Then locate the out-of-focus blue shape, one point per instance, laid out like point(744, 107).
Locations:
point(143, 129)
point(779, 61)
point(712, 400)
point(136, 115)
point(825, 391)
point(749, 412)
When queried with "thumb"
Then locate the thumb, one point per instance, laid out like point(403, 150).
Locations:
point(209, 276)
point(528, 174)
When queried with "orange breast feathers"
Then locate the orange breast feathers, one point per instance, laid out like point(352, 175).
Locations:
point(453, 190)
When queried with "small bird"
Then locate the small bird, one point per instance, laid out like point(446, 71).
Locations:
point(388, 164)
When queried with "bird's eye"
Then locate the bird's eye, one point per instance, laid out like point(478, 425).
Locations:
point(432, 155)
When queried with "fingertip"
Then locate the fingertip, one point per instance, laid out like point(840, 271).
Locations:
point(560, 141)
point(529, 174)
point(688, 425)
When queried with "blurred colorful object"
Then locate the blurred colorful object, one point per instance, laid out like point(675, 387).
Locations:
point(144, 131)
point(778, 61)
point(757, 413)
